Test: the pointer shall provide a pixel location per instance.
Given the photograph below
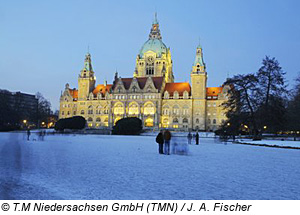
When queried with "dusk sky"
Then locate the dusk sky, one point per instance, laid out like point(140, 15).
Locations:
point(43, 44)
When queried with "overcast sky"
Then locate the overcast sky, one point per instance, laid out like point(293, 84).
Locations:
point(43, 44)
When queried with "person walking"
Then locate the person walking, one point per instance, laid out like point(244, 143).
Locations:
point(167, 138)
point(160, 141)
point(189, 136)
point(197, 138)
point(28, 133)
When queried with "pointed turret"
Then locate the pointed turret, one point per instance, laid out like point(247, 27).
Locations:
point(87, 79)
point(155, 32)
point(199, 65)
point(88, 63)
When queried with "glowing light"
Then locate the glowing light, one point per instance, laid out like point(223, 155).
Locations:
point(265, 127)
point(43, 123)
point(245, 126)
point(24, 121)
point(228, 124)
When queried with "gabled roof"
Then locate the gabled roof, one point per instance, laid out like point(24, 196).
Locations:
point(102, 89)
point(213, 91)
point(74, 93)
point(179, 87)
point(142, 82)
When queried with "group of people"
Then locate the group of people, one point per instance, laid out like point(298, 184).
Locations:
point(41, 135)
point(164, 137)
point(190, 137)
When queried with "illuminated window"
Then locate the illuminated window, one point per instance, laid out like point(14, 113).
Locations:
point(133, 109)
point(90, 110)
point(175, 126)
point(149, 122)
point(119, 109)
point(149, 109)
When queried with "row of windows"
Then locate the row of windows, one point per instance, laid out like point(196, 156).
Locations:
point(157, 62)
point(135, 97)
point(175, 111)
point(214, 104)
point(98, 119)
point(176, 95)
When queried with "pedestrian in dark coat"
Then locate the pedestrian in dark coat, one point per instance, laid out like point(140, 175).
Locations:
point(28, 134)
point(167, 138)
point(197, 138)
point(160, 141)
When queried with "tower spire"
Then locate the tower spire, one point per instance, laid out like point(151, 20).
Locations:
point(155, 32)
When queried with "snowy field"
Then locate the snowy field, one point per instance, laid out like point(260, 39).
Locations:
point(127, 167)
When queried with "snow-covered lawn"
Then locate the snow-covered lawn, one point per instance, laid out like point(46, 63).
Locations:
point(129, 167)
point(289, 143)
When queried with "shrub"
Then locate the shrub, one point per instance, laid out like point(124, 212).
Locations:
point(76, 122)
point(128, 126)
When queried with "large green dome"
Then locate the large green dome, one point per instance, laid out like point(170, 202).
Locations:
point(155, 45)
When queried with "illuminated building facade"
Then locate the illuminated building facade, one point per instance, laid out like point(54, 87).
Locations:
point(151, 94)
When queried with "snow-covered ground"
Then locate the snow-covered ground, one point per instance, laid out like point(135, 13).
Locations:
point(129, 167)
point(280, 143)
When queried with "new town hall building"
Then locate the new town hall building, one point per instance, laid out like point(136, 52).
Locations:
point(151, 94)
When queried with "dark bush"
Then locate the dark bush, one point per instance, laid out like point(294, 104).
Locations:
point(76, 122)
point(128, 126)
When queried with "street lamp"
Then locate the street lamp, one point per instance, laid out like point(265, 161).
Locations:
point(245, 126)
point(265, 127)
point(228, 124)
point(24, 121)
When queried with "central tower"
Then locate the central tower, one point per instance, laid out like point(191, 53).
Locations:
point(154, 58)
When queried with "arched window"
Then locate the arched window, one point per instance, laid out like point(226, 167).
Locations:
point(119, 109)
point(98, 109)
point(134, 89)
point(176, 110)
point(82, 112)
point(105, 110)
point(197, 121)
point(150, 68)
point(90, 109)
point(133, 109)
point(90, 119)
point(62, 113)
point(185, 120)
point(214, 121)
point(149, 109)
point(185, 110)
point(185, 95)
point(98, 119)
point(176, 95)
point(175, 120)
point(119, 89)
